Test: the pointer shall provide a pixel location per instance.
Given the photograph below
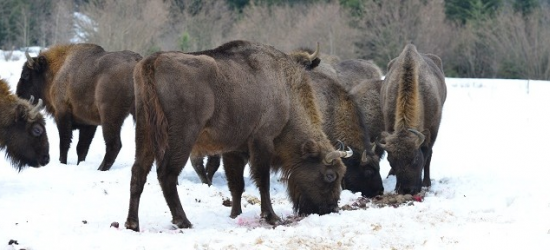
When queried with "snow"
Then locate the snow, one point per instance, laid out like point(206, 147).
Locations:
point(489, 191)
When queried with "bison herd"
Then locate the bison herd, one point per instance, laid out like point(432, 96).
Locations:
point(324, 124)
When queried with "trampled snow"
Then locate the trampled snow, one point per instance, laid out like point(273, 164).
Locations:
point(490, 178)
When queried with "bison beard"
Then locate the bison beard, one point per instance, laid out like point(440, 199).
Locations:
point(246, 101)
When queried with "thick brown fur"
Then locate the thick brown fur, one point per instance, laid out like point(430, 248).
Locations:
point(83, 86)
point(22, 131)
point(412, 98)
point(344, 121)
point(246, 101)
point(367, 95)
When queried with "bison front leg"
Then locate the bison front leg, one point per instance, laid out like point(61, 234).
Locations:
point(426, 182)
point(64, 127)
point(212, 165)
point(85, 138)
point(198, 165)
point(260, 163)
point(234, 164)
point(142, 166)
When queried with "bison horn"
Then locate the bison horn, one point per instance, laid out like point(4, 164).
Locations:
point(421, 137)
point(31, 100)
point(30, 61)
point(38, 106)
point(330, 157)
point(364, 159)
point(315, 54)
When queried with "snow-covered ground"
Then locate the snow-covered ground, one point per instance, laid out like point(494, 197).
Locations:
point(490, 191)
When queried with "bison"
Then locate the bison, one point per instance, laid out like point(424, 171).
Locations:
point(367, 96)
point(412, 98)
point(22, 130)
point(344, 121)
point(83, 86)
point(349, 73)
point(242, 100)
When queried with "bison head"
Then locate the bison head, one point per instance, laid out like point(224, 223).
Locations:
point(307, 60)
point(406, 158)
point(363, 175)
point(314, 183)
point(33, 78)
point(26, 141)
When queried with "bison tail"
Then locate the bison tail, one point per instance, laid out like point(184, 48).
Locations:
point(155, 118)
point(407, 113)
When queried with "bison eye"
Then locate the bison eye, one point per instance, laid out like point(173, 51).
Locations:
point(37, 130)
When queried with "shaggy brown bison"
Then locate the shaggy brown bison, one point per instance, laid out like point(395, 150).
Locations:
point(367, 96)
point(344, 121)
point(349, 73)
point(241, 98)
point(412, 98)
point(83, 86)
point(22, 130)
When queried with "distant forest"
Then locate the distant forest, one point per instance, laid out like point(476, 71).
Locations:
point(474, 38)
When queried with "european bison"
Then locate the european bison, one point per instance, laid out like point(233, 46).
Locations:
point(241, 98)
point(367, 96)
point(83, 86)
point(22, 130)
point(344, 121)
point(349, 73)
point(412, 98)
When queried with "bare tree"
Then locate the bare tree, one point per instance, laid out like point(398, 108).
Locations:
point(289, 27)
point(118, 25)
point(521, 43)
point(388, 25)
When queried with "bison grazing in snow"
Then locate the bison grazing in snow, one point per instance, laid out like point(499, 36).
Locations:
point(344, 121)
point(22, 130)
point(83, 86)
point(412, 98)
point(247, 101)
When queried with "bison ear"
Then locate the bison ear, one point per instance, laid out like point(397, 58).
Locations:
point(314, 63)
point(40, 63)
point(436, 60)
point(390, 64)
point(310, 149)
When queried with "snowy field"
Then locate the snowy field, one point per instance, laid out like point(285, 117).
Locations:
point(490, 190)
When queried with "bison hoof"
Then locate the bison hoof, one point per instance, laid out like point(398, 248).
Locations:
point(132, 225)
point(182, 223)
point(272, 219)
point(104, 167)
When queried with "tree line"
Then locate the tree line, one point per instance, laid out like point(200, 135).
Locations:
point(474, 38)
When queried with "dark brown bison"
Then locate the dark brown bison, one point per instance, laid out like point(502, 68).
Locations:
point(349, 73)
point(22, 130)
point(344, 121)
point(83, 86)
point(412, 98)
point(241, 98)
point(367, 96)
